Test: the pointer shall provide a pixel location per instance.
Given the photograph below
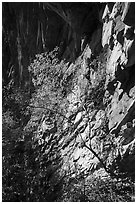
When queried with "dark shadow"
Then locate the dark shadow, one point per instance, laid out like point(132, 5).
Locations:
point(126, 77)
point(112, 86)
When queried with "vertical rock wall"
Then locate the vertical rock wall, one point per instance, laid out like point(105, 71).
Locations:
point(102, 98)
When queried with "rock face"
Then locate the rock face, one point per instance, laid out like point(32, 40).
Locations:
point(99, 43)
point(99, 129)
point(102, 100)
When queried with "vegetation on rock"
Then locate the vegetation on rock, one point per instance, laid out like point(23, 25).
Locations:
point(68, 130)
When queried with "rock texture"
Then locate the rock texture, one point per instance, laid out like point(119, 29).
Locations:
point(102, 96)
point(99, 80)
point(100, 91)
point(69, 117)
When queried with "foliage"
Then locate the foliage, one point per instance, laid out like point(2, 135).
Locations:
point(14, 118)
point(31, 155)
point(97, 189)
point(31, 167)
point(16, 101)
point(47, 72)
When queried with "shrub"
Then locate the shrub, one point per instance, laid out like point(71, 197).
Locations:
point(29, 172)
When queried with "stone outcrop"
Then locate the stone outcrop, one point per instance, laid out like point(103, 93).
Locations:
point(74, 114)
point(98, 42)
point(99, 86)
point(102, 98)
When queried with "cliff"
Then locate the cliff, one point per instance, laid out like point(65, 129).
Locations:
point(98, 134)
point(97, 83)
point(102, 93)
